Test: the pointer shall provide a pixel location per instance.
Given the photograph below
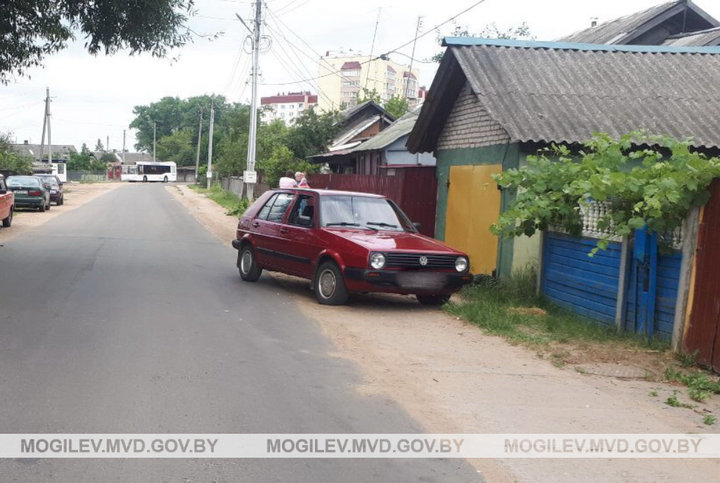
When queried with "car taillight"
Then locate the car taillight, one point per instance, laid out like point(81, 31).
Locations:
point(35, 193)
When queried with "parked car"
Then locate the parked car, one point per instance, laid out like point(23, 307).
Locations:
point(55, 186)
point(7, 203)
point(29, 192)
point(346, 242)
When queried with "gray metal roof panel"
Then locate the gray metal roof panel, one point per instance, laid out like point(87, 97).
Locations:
point(560, 95)
point(709, 37)
point(392, 133)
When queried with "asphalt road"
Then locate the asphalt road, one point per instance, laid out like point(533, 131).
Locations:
point(127, 316)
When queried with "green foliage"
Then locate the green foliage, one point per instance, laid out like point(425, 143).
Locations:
point(709, 419)
point(33, 29)
point(10, 160)
point(83, 161)
point(366, 95)
point(654, 186)
point(279, 147)
point(178, 147)
point(676, 403)
point(397, 106)
point(99, 145)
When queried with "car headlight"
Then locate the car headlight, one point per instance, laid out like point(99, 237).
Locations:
point(377, 261)
point(461, 264)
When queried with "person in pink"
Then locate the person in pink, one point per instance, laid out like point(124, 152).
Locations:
point(288, 181)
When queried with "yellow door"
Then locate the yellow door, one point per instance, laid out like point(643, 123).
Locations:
point(473, 205)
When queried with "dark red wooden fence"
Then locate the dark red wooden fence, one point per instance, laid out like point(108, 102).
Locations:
point(413, 189)
point(703, 332)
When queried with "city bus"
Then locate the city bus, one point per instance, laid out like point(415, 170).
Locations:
point(149, 171)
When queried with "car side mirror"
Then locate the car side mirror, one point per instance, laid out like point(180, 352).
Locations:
point(304, 220)
point(417, 225)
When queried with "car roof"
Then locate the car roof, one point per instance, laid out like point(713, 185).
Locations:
point(322, 192)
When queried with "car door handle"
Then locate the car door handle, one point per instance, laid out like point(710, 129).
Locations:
point(283, 230)
point(255, 224)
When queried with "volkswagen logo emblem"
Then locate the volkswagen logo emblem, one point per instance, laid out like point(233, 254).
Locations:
point(423, 260)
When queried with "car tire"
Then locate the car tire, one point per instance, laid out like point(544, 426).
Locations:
point(48, 206)
point(41, 208)
point(433, 300)
point(330, 286)
point(165, 179)
point(247, 264)
point(144, 179)
point(8, 220)
point(61, 201)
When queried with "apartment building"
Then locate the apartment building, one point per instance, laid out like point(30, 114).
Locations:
point(343, 76)
point(286, 107)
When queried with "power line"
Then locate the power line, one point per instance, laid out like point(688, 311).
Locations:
point(389, 51)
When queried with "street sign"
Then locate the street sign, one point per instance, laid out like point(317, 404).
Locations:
point(209, 174)
point(250, 176)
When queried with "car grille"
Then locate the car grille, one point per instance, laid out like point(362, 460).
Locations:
point(412, 260)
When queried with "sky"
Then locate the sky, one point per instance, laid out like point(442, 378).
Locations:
point(93, 96)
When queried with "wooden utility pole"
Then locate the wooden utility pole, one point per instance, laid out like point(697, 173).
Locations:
point(154, 139)
point(123, 151)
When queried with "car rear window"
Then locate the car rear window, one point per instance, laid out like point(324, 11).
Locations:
point(23, 181)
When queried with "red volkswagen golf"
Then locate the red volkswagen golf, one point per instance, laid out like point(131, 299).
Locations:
point(346, 242)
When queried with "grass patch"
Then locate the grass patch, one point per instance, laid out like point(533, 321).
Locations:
point(233, 205)
point(709, 419)
point(675, 402)
point(511, 308)
point(700, 385)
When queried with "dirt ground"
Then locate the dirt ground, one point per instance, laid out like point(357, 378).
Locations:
point(76, 195)
point(453, 378)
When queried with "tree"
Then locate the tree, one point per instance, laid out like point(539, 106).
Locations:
point(99, 146)
point(10, 160)
point(366, 95)
point(177, 147)
point(30, 30)
point(312, 132)
point(397, 106)
point(489, 31)
point(653, 187)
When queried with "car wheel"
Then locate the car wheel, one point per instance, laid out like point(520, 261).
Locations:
point(247, 264)
point(435, 300)
point(165, 180)
point(329, 285)
point(48, 206)
point(41, 208)
point(61, 201)
point(144, 179)
point(8, 221)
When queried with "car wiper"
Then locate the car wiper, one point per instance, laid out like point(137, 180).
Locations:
point(342, 223)
point(345, 223)
point(380, 223)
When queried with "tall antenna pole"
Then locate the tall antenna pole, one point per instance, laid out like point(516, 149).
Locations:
point(412, 56)
point(372, 47)
point(210, 142)
point(252, 137)
point(197, 156)
point(154, 139)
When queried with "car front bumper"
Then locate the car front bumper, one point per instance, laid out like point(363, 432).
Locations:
point(405, 281)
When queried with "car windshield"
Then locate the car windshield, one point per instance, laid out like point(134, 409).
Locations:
point(363, 212)
point(50, 181)
point(16, 181)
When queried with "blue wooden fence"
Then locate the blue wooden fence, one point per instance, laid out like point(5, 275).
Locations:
point(589, 286)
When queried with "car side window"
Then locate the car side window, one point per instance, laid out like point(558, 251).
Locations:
point(279, 207)
point(303, 213)
point(262, 215)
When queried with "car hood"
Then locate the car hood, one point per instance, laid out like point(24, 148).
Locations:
point(391, 240)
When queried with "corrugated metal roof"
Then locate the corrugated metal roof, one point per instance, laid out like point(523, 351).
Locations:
point(547, 94)
point(392, 133)
point(707, 37)
point(616, 30)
